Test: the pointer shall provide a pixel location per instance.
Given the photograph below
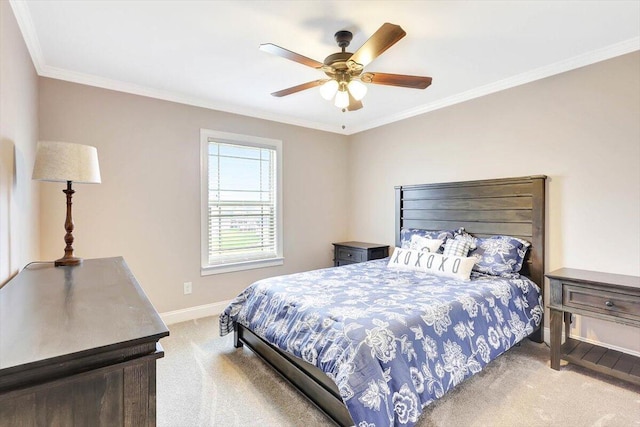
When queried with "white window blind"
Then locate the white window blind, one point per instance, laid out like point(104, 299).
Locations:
point(242, 203)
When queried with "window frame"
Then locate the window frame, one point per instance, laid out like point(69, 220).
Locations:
point(250, 141)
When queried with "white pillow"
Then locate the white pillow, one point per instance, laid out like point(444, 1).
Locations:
point(419, 243)
point(438, 264)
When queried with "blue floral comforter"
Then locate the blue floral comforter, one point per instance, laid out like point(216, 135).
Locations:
point(392, 341)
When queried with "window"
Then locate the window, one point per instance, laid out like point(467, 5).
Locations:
point(241, 202)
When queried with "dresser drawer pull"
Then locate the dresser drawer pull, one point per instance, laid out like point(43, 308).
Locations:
point(608, 303)
point(349, 255)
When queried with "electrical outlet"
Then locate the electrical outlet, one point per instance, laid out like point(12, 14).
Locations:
point(187, 288)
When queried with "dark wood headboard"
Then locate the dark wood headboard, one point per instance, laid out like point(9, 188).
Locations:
point(507, 206)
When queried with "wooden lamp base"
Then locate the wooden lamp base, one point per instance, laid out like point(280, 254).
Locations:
point(66, 262)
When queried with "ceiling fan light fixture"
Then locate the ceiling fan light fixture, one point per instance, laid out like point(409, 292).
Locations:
point(357, 89)
point(329, 89)
point(342, 99)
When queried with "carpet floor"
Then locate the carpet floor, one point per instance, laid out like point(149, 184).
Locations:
point(204, 381)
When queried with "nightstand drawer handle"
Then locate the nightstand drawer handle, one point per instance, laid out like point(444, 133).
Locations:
point(608, 303)
point(349, 254)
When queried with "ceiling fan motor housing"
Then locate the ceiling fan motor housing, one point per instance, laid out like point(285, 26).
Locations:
point(337, 65)
point(338, 60)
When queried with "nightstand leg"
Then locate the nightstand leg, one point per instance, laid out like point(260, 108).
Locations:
point(567, 325)
point(556, 338)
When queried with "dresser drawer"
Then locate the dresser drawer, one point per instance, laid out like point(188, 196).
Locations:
point(598, 301)
point(351, 254)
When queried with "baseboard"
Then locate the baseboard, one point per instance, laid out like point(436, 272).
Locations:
point(546, 334)
point(191, 313)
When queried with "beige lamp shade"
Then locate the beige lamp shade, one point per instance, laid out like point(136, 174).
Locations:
point(64, 161)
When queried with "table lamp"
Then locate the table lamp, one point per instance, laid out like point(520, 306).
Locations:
point(64, 161)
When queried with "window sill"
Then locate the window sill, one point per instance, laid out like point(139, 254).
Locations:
point(240, 266)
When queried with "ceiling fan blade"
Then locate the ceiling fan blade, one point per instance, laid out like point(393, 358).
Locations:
point(386, 36)
point(280, 51)
point(353, 103)
point(294, 89)
point(413, 82)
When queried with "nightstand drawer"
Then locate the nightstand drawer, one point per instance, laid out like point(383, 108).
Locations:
point(340, 262)
point(351, 254)
point(378, 253)
point(611, 303)
point(354, 252)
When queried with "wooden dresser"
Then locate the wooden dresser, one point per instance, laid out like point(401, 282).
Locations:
point(353, 252)
point(612, 297)
point(78, 347)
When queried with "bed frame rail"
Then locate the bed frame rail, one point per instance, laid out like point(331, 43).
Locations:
point(308, 379)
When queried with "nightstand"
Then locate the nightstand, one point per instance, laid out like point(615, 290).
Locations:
point(612, 297)
point(353, 252)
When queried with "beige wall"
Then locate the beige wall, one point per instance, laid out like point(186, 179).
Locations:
point(148, 205)
point(580, 128)
point(19, 242)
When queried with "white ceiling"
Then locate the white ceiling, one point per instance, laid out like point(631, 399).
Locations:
point(205, 53)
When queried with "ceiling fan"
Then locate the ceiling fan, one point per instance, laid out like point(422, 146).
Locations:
point(345, 70)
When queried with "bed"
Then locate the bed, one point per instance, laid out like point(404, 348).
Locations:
point(329, 367)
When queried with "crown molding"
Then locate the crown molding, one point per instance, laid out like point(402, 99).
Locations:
point(573, 63)
point(119, 86)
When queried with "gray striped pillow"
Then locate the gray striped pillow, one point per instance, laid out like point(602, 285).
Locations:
point(456, 247)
